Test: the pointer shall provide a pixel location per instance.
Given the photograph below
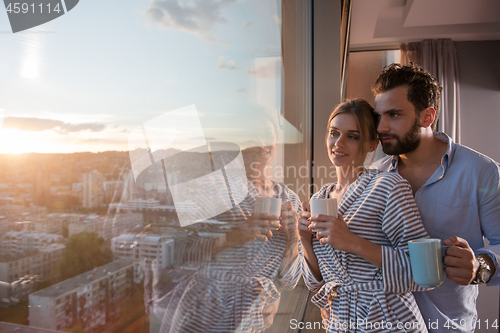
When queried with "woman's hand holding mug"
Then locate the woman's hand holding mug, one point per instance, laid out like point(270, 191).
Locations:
point(304, 220)
point(333, 231)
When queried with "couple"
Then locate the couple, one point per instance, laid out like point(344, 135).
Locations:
point(363, 275)
point(359, 264)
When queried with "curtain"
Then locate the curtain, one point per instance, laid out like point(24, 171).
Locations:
point(439, 57)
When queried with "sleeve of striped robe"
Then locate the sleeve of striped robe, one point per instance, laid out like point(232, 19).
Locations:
point(401, 223)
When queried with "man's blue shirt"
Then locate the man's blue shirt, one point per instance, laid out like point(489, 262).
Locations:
point(461, 198)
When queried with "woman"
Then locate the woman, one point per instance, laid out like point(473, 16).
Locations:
point(237, 290)
point(359, 263)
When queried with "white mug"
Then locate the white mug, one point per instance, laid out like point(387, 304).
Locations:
point(267, 205)
point(323, 207)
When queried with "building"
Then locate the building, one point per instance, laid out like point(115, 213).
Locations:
point(136, 205)
point(77, 191)
point(16, 213)
point(4, 224)
point(122, 222)
point(22, 288)
point(42, 187)
point(44, 263)
point(5, 294)
point(57, 223)
point(89, 299)
point(155, 215)
point(17, 291)
point(93, 189)
point(77, 187)
point(113, 190)
point(128, 193)
point(19, 242)
point(144, 247)
point(106, 227)
point(87, 223)
point(54, 223)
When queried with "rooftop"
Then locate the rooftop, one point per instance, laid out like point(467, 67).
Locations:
point(142, 238)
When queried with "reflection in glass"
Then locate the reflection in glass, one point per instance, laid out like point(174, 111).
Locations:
point(130, 166)
point(230, 265)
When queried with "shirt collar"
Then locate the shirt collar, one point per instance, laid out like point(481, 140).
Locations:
point(445, 161)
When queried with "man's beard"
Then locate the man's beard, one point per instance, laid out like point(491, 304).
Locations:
point(409, 143)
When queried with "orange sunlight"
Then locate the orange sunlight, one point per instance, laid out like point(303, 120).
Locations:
point(15, 141)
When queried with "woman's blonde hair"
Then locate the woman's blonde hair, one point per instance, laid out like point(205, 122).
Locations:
point(365, 118)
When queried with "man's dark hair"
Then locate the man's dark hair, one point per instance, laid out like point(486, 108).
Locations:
point(424, 90)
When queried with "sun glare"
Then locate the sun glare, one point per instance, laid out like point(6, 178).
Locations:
point(30, 64)
point(15, 141)
point(19, 142)
point(29, 68)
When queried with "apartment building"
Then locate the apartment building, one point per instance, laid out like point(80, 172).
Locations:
point(154, 215)
point(122, 222)
point(44, 263)
point(4, 224)
point(17, 291)
point(89, 223)
point(89, 299)
point(144, 247)
point(18, 242)
point(106, 227)
point(93, 189)
point(54, 223)
point(16, 213)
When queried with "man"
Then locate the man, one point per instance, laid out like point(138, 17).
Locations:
point(457, 191)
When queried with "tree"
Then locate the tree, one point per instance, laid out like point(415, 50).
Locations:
point(84, 251)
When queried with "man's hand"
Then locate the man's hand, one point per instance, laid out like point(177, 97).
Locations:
point(461, 261)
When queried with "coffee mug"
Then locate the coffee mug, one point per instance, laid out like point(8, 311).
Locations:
point(323, 207)
point(426, 257)
point(268, 205)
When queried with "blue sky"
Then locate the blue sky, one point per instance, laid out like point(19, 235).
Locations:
point(84, 81)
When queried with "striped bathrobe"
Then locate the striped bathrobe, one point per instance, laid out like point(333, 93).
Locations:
point(232, 292)
point(379, 207)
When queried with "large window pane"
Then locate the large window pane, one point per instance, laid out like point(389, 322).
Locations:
point(363, 68)
point(136, 138)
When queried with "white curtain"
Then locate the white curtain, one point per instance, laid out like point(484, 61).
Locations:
point(439, 57)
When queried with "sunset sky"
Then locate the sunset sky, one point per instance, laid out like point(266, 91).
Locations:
point(84, 81)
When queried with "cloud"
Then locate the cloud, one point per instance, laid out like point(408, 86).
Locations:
point(41, 124)
point(228, 66)
point(241, 90)
point(198, 17)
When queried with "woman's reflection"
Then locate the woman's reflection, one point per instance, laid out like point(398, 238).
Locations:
point(237, 289)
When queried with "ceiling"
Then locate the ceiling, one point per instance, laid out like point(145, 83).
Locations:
point(386, 23)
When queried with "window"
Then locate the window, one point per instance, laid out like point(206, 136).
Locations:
point(363, 68)
point(76, 89)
